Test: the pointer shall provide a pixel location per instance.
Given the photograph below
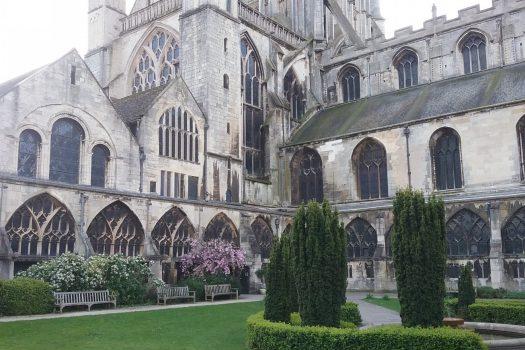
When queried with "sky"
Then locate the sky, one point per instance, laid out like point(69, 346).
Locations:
point(34, 33)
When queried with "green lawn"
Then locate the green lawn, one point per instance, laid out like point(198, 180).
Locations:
point(200, 328)
point(390, 303)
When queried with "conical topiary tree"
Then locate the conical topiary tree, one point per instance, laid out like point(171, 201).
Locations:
point(286, 242)
point(418, 243)
point(466, 292)
point(319, 264)
point(276, 302)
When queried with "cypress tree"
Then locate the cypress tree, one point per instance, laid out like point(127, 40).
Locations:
point(319, 264)
point(467, 294)
point(418, 244)
point(276, 308)
point(286, 242)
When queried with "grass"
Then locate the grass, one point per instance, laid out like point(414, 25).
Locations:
point(386, 302)
point(195, 328)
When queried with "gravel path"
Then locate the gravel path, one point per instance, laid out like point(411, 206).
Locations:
point(373, 315)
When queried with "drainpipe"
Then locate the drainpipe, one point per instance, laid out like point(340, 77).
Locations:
point(204, 195)
point(82, 223)
point(409, 171)
point(142, 158)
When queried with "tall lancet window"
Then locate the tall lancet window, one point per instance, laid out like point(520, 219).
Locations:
point(407, 69)
point(294, 94)
point(28, 153)
point(157, 61)
point(474, 53)
point(350, 82)
point(445, 146)
point(253, 141)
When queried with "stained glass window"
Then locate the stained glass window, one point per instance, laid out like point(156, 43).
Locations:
point(116, 230)
point(468, 235)
point(371, 164)
point(446, 154)
point(351, 83)
point(307, 176)
point(66, 141)
point(362, 240)
point(407, 69)
point(28, 153)
point(99, 165)
point(474, 53)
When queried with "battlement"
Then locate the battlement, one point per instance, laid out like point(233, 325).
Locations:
point(150, 13)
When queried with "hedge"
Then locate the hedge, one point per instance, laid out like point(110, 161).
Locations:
point(350, 314)
point(265, 335)
point(500, 293)
point(508, 312)
point(25, 296)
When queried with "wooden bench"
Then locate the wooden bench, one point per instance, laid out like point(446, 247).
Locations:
point(166, 293)
point(64, 299)
point(210, 292)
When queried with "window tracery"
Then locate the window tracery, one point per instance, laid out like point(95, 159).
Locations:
point(178, 135)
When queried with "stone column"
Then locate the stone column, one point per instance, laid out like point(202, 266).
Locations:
point(497, 273)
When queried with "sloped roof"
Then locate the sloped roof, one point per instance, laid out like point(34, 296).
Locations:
point(11, 84)
point(134, 107)
point(441, 98)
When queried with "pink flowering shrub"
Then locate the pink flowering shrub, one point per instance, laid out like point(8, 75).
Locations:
point(216, 257)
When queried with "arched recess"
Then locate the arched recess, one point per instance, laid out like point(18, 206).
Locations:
point(263, 238)
point(362, 240)
point(406, 62)
point(67, 140)
point(513, 234)
point(156, 60)
point(467, 235)
point(294, 94)
point(29, 153)
point(173, 233)
point(445, 148)
point(370, 161)
point(350, 80)
point(116, 230)
point(221, 227)
point(473, 47)
point(307, 176)
point(42, 226)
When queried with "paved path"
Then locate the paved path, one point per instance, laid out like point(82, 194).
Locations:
point(242, 299)
point(373, 315)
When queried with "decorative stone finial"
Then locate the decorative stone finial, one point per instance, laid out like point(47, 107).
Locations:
point(434, 11)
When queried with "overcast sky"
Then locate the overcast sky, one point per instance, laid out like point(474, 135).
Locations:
point(36, 32)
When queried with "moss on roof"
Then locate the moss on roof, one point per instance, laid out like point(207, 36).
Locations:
point(445, 97)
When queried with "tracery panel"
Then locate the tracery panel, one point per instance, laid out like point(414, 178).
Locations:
point(173, 233)
point(42, 226)
point(116, 230)
point(307, 176)
point(474, 53)
point(263, 238)
point(178, 135)
point(221, 227)
point(468, 235)
point(371, 164)
point(513, 234)
point(351, 83)
point(362, 240)
point(407, 69)
point(294, 94)
point(446, 159)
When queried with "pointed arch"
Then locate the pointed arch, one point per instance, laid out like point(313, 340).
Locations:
point(156, 60)
point(445, 148)
point(513, 233)
point(29, 150)
point(116, 230)
point(173, 233)
point(294, 94)
point(307, 176)
point(350, 80)
point(67, 140)
point(370, 161)
point(221, 227)
point(42, 226)
point(467, 235)
point(406, 62)
point(473, 47)
point(263, 238)
point(362, 240)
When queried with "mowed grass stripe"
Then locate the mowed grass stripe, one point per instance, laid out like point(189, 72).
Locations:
point(201, 328)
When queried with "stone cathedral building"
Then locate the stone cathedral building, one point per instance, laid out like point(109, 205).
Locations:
point(216, 118)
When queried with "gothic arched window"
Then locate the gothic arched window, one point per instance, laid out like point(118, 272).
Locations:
point(445, 147)
point(468, 235)
point(362, 240)
point(473, 48)
point(407, 69)
point(253, 140)
point(513, 234)
point(99, 165)
point(263, 237)
point(67, 137)
point(521, 143)
point(371, 164)
point(307, 176)
point(42, 226)
point(351, 84)
point(221, 227)
point(158, 61)
point(116, 230)
point(29, 153)
point(294, 94)
point(173, 233)
point(178, 135)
